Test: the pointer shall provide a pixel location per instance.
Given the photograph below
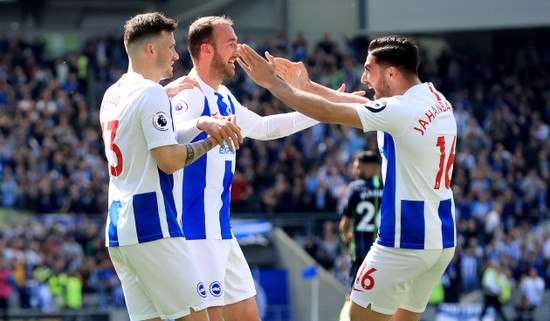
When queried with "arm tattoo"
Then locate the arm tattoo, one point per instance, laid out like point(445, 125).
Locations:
point(197, 149)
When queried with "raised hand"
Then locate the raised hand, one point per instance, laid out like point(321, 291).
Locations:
point(223, 129)
point(342, 89)
point(184, 82)
point(261, 71)
point(293, 73)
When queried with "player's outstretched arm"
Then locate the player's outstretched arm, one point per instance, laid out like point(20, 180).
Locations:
point(296, 75)
point(171, 158)
point(264, 74)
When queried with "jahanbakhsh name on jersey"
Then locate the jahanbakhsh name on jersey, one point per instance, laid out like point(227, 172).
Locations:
point(432, 113)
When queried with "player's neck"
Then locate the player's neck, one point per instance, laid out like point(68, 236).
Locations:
point(143, 70)
point(405, 84)
point(209, 76)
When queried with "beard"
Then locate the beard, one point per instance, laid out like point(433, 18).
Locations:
point(222, 67)
point(382, 89)
point(166, 67)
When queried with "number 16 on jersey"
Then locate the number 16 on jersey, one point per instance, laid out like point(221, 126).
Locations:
point(445, 168)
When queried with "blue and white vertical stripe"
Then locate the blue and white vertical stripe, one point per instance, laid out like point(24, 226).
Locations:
point(412, 224)
point(207, 193)
point(152, 219)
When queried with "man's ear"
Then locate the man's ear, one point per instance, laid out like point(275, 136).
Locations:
point(207, 49)
point(392, 72)
point(149, 50)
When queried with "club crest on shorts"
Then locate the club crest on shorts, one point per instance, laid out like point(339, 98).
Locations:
point(201, 290)
point(160, 121)
point(216, 289)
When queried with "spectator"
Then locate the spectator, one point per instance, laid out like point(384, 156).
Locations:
point(532, 289)
point(50, 146)
point(6, 279)
point(494, 283)
point(469, 266)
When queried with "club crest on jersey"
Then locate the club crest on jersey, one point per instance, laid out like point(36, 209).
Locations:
point(216, 289)
point(160, 121)
point(201, 290)
point(375, 106)
point(181, 107)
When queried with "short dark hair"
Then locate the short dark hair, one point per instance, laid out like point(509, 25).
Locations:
point(367, 156)
point(397, 51)
point(145, 26)
point(201, 32)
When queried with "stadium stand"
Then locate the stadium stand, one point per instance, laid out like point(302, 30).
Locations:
point(51, 161)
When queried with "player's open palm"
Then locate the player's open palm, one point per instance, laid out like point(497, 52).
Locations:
point(223, 129)
point(293, 73)
point(260, 70)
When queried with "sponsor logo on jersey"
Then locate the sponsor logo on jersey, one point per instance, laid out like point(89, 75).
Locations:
point(181, 107)
point(201, 290)
point(160, 121)
point(216, 289)
point(226, 150)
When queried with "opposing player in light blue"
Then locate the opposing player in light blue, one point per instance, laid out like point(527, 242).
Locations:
point(417, 138)
point(207, 182)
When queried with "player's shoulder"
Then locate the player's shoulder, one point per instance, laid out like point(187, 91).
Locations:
point(357, 185)
point(188, 97)
point(381, 104)
point(138, 81)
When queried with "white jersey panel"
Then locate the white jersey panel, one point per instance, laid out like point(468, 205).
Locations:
point(207, 182)
point(135, 118)
point(417, 138)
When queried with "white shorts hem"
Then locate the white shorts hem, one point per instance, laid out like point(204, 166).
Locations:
point(143, 317)
point(374, 308)
point(186, 313)
point(245, 297)
point(413, 309)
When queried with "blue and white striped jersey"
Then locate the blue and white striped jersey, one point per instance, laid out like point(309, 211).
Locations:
point(417, 138)
point(207, 181)
point(135, 117)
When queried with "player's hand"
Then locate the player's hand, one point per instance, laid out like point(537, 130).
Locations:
point(184, 82)
point(293, 73)
point(342, 89)
point(223, 129)
point(261, 71)
point(346, 237)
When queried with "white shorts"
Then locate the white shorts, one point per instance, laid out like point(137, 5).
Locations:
point(224, 270)
point(159, 279)
point(392, 278)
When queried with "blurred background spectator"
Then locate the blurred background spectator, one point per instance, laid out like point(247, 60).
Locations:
point(52, 161)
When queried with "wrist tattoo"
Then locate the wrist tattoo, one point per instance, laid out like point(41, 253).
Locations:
point(197, 149)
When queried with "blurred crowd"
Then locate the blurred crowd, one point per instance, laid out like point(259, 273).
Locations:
point(58, 262)
point(52, 157)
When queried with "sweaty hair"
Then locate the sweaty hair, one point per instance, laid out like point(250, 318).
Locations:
point(201, 31)
point(146, 26)
point(367, 156)
point(396, 51)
